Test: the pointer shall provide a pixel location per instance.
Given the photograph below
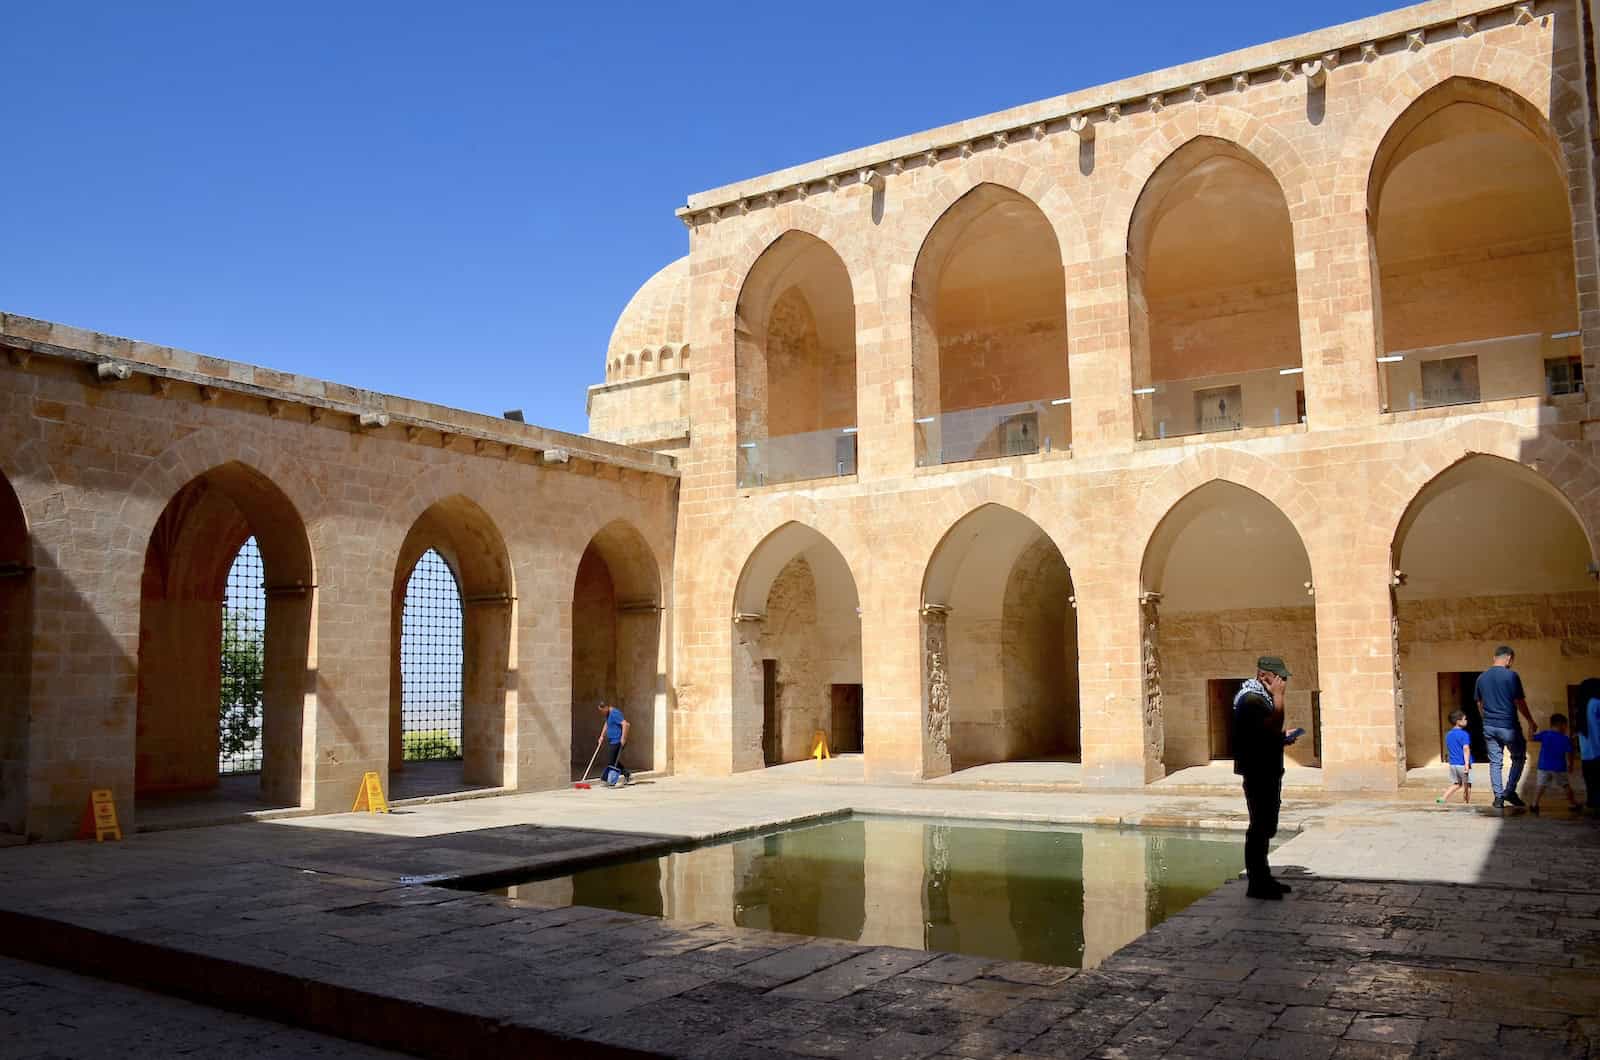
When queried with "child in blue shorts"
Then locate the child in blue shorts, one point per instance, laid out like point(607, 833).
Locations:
point(1555, 763)
point(1458, 752)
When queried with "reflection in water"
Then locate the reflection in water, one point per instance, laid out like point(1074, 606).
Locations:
point(1066, 896)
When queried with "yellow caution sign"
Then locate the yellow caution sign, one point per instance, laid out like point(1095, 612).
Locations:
point(103, 808)
point(370, 797)
point(819, 745)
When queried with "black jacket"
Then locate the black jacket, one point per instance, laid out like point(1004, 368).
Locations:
point(1257, 746)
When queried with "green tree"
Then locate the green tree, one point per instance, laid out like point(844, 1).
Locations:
point(243, 662)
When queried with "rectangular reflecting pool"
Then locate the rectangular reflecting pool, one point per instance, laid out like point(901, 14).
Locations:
point(1050, 894)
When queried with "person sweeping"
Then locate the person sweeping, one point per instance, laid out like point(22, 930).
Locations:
point(615, 733)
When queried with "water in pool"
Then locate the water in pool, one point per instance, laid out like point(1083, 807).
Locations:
point(1054, 895)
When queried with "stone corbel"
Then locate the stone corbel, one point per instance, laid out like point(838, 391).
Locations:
point(1330, 60)
point(966, 149)
point(715, 213)
point(930, 158)
point(445, 438)
point(1038, 130)
point(687, 218)
point(1286, 72)
point(372, 421)
point(1523, 14)
point(1369, 51)
point(555, 456)
point(1000, 140)
point(1114, 112)
point(1080, 124)
point(208, 394)
point(870, 178)
point(1156, 103)
point(898, 166)
point(1415, 40)
point(833, 183)
point(1197, 93)
point(113, 372)
point(1241, 82)
point(771, 199)
point(480, 446)
point(160, 385)
point(1467, 26)
point(1316, 73)
point(413, 432)
point(275, 408)
point(316, 412)
point(20, 358)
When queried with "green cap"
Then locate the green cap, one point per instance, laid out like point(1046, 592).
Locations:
point(1272, 665)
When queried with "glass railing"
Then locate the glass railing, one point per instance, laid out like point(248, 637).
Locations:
point(1231, 401)
point(1537, 364)
point(1017, 429)
point(793, 457)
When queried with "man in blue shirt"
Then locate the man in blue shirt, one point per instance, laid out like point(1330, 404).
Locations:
point(1500, 699)
point(1586, 723)
point(615, 733)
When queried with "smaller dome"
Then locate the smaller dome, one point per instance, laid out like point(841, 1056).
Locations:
point(655, 315)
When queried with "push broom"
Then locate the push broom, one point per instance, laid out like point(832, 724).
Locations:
point(583, 784)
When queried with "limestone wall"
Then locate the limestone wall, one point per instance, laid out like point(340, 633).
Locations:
point(1343, 479)
point(1556, 636)
point(94, 463)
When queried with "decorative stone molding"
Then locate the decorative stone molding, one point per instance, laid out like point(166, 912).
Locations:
point(372, 421)
point(1081, 125)
point(1315, 69)
point(113, 372)
point(208, 394)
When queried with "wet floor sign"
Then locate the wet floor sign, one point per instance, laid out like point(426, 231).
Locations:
point(370, 797)
point(103, 815)
point(819, 745)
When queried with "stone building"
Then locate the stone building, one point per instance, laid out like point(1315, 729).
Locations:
point(1022, 437)
point(1014, 439)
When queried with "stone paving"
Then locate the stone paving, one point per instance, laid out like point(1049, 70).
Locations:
point(1412, 931)
point(48, 1014)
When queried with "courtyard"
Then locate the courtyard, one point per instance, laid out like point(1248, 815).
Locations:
point(1413, 930)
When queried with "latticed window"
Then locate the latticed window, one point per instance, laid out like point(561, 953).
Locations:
point(244, 628)
point(430, 662)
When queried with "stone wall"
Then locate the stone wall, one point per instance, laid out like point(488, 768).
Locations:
point(1556, 636)
point(96, 459)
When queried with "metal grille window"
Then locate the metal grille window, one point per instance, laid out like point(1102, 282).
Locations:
point(430, 662)
point(244, 628)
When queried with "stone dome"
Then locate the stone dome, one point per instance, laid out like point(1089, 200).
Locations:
point(649, 336)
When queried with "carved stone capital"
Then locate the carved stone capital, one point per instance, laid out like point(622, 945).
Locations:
point(1415, 40)
point(1241, 82)
point(1467, 26)
point(1369, 51)
point(1157, 102)
point(1080, 124)
point(1315, 72)
point(1197, 93)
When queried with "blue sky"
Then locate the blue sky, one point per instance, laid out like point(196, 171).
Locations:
point(454, 201)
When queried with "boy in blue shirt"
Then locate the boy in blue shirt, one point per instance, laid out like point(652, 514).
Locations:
point(1555, 763)
point(615, 732)
point(1458, 752)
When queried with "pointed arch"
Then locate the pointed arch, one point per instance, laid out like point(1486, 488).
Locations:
point(795, 363)
point(190, 553)
point(1471, 235)
point(470, 547)
point(1000, 637)
point(797, 664)
point(989, 331)
point(16, 659)
point(1225, 578)
point(618, 651)
point(1213, 305)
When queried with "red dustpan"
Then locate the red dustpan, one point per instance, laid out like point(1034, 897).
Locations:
point(583, 785)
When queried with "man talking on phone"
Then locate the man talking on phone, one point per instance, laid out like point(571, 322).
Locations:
point(1258, 743)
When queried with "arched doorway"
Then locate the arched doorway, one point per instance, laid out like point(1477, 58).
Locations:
point(989, 332)
point(225, 619)
point(16, 660)
point(796, 651)
point(1214, 318)
point(451, 696)
point(1471, 233)
point(998, 595)
point(795, 364)
point(617, 647)
point(1226, 579)
point(1489, 553)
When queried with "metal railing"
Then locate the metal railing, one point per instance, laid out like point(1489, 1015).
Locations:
point(796, 457)
point(1228, 401)
point(1017, 429)
point(1535, 364)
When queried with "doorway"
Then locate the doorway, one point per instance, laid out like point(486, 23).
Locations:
point(848, 735)
point(1457, 691)
point(771, 744)
point(1219, 697)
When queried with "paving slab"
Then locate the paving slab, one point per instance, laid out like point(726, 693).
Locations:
point(1410, 932)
